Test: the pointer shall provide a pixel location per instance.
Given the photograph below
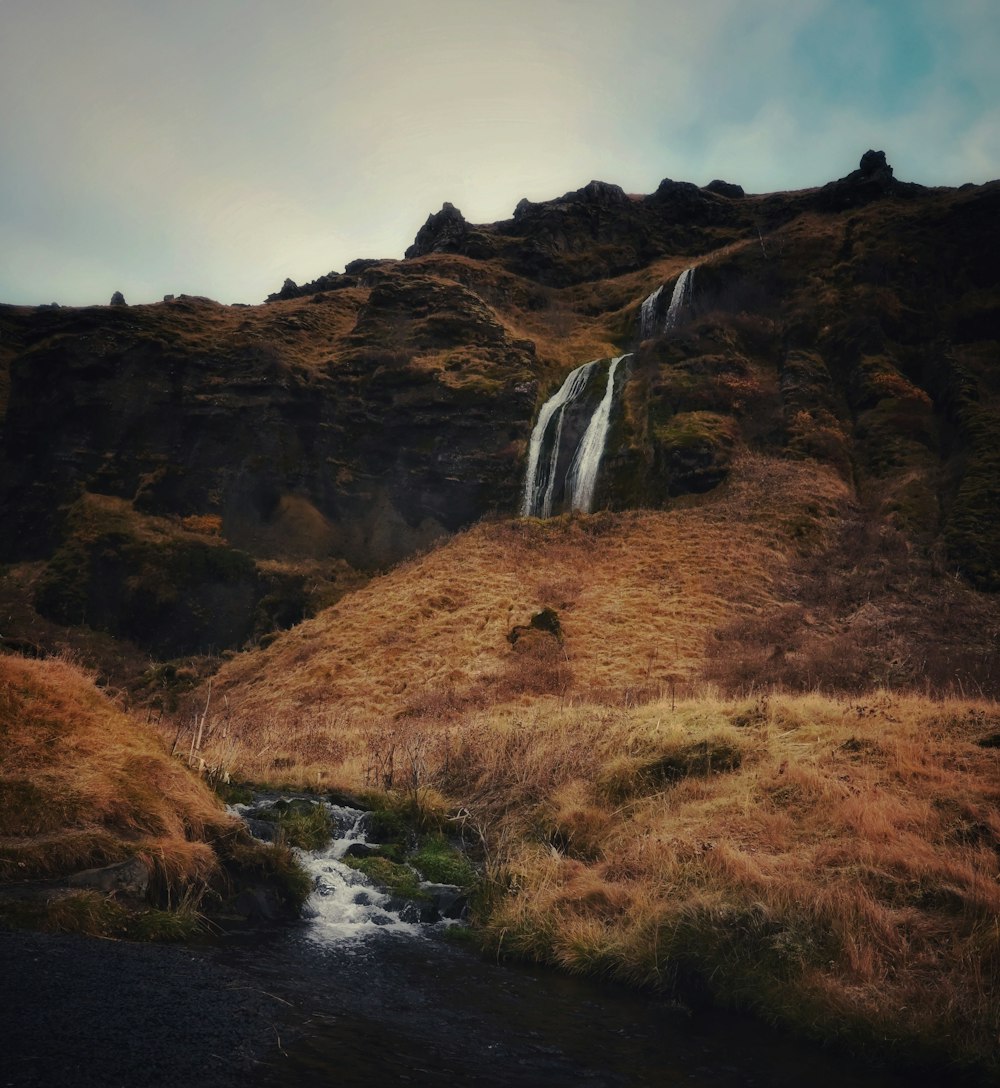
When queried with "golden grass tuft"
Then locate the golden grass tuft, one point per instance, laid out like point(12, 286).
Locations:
point(82, 785)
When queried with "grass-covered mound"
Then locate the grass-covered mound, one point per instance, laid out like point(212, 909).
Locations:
point(83, 787)
point(833, 865)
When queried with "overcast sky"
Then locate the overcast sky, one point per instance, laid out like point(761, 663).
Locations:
point(217, 146)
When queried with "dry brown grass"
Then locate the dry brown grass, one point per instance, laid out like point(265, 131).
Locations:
point(637, 595)
point(84, 784)
point(832, 864)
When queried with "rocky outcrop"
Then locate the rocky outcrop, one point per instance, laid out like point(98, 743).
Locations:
point(365, 415)
point(444, 232)
point(725, 188)
point(873, 180)
point(294, 437)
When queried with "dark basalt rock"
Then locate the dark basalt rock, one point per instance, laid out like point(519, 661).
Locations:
point(873, 180)
point(129, 878)
point(118, 299)
point(873, 165)
point(365, 457)
point(602, 193)
point(444, 232)
point(546, 621)
point(362, 850)
point(725, 188)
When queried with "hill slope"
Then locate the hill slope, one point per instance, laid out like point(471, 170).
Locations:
point(358, 419)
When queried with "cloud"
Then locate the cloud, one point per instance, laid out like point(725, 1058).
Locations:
point(220, 147)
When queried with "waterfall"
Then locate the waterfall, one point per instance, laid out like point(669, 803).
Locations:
point(680, 298)
point(539, 482)
point(647, 314)
point(582, 479)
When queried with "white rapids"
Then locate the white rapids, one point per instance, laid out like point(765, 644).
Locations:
point(680, 298)
point(345, 906)
point(647, 314)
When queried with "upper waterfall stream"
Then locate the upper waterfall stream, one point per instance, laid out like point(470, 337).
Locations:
point(679, 298)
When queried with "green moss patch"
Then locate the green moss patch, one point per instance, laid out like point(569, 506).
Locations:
point(302, 823)
point(395, 877)
point(693, 451)
point(438, 861)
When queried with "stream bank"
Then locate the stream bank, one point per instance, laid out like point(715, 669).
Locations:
point(356, 994)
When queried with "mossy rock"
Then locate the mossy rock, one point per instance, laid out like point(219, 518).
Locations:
point(300, 822)
point(146, 579)
point(546, 622)
point(384, 826)
point(394, 877)
point(439, 861)
point(693, 452)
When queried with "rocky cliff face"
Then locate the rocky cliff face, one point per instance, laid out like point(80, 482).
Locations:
point(363, 416)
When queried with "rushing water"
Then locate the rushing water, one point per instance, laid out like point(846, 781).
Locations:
point(647, 314)
point(582, 480)
point(564, 456)
point(373, 1000)
point(680, 298)
point(345, 905)
point(540, 478)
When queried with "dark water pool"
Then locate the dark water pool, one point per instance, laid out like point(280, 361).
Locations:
point(398, 1010)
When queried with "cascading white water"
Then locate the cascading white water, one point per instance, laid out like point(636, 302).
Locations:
point(539, 481)
point(647, 314)
point(680, 298)
point(582, 477)
point(345, 905)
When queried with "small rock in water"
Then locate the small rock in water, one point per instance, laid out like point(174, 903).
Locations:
point(361, 850)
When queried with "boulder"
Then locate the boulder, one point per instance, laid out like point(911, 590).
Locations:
point(546, 621)
point(450, 901)
point(873, 165)
point(361, 850)
point(129, 878)
point(602, 193)
point(873, 180)
point(118, 299)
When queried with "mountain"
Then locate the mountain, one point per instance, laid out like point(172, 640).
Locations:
point(194, 475)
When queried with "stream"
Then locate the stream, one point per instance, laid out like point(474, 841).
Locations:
point(371, 995)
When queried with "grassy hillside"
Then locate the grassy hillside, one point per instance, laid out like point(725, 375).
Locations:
point(830, 861)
